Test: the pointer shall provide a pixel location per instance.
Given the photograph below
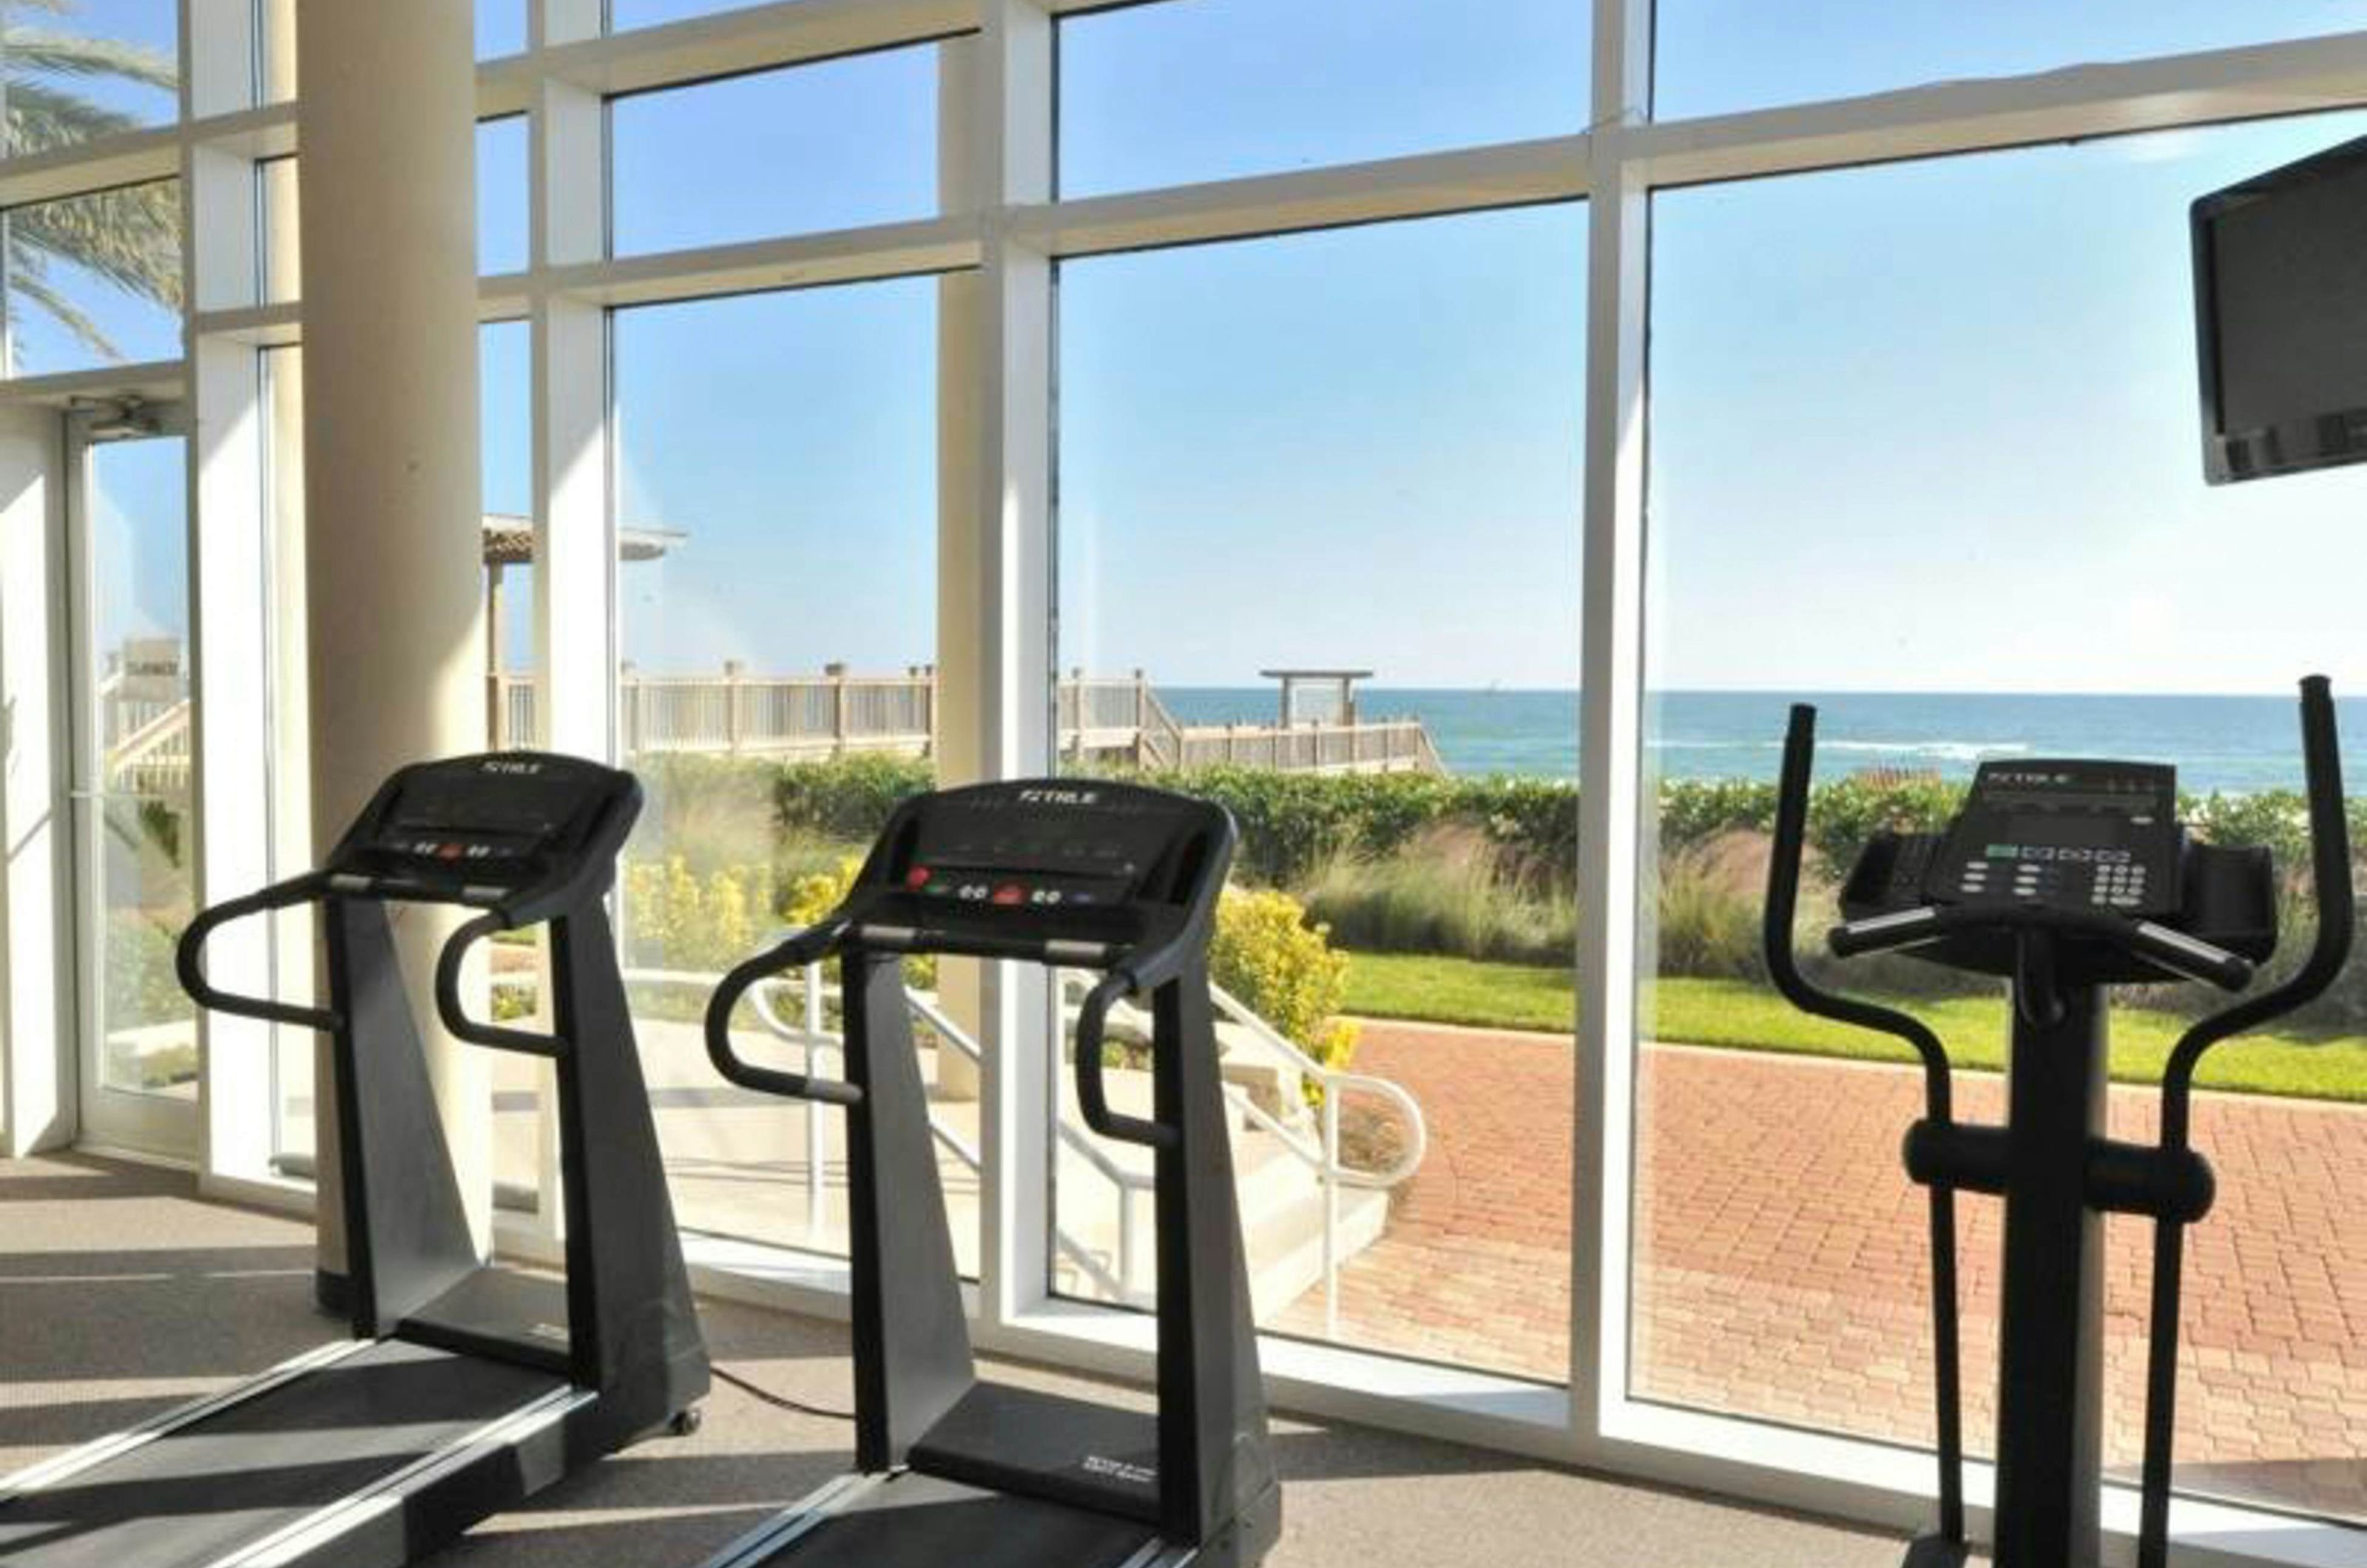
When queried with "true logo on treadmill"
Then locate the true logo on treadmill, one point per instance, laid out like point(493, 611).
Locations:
point(1060, 796)
point(510, 765)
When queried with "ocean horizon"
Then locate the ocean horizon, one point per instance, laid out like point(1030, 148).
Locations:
point(2235, 744)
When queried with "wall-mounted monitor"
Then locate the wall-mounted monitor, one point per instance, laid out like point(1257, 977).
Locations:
point(2281, 318)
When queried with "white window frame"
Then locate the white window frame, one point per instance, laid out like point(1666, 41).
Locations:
point(994, 243)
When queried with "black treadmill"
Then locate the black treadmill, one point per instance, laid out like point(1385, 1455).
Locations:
point(465, 1386)
point(951, 1470)
point(2065, 878)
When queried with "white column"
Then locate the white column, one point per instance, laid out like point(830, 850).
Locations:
point(994, 655)
point(392, 493)
point(37, 1106)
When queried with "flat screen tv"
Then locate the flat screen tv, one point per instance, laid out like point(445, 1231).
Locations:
point(2281, 318)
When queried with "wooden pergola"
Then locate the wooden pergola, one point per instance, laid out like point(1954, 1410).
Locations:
point(509, 541)
point(1343, 679)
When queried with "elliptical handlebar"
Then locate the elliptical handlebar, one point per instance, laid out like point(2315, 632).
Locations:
point(2172, 950)
point(1946, 1547)
point(2329, 843)
point(1782, 904)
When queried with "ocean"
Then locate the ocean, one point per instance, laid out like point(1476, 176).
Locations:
point(2235, 744)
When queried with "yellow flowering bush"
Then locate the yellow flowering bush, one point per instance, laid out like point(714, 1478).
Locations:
point(680, 920)
point(1286, 970)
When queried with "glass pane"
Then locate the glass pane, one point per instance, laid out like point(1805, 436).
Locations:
point(1716, 56)
point(518, 962)
point(140, 730)
point(777, 602)
point(836, 145)
point(1355, 450)
point(84, 69)
point(501, 198)
point(501, 217)
point(1168, 94)
point(1833, 463)
point(501, 27)
point(93, 279)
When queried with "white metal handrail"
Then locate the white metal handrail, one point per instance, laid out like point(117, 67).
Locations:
point(1318, 1151)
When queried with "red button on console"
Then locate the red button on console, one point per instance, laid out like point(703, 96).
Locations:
point(1010, 893)
point(917, 877)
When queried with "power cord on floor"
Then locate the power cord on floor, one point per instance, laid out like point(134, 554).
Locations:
point(779, 1401)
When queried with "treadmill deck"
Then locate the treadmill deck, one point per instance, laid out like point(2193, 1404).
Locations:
point(200, 1494)
point(911, 1520)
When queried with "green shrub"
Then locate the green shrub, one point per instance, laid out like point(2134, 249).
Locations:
point(1708, 904)
point(848, 798)
point(1447, 891)
point(679, 919)
point(142, 987)
point(1283, 970)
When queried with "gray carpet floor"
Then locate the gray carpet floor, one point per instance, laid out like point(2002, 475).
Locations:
point(121, 1294)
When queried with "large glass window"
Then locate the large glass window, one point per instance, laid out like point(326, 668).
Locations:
point(1353, 455)
point(834, 145)
point(1949, 485)
point(140, 838)
point(1173, 93)
point(1716, 56)
point(777, 510)
point(76, 70)
point(93, 279)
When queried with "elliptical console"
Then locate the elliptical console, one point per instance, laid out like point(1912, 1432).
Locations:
point(2067, 877)
point(953, 1470)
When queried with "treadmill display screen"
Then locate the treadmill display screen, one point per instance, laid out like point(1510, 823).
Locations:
point(503, 818)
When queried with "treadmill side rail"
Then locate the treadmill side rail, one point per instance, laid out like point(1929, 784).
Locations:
point(44, 1474)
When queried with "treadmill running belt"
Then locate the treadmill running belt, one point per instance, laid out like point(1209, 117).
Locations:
point(920, 1521)
point(201, 1491)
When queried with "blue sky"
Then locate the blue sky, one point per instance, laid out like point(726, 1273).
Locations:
point(1873, 387)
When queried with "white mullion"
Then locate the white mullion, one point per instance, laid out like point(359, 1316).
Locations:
point(802, 261)
point(230, 647)
point(231, 680)
point(572, 433)
point(1610, 808)
point(2302, 76)
point(38, 1108)
point(1422, 185)
point(552, 22)
point(995, 403)
point(753, 37)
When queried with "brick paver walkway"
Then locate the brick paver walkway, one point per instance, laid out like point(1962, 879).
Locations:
point(1781, 1253)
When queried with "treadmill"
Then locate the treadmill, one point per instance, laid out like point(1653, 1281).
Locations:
point(465, 1386)
point(952, 1469)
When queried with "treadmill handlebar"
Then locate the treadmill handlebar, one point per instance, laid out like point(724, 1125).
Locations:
point(1092, 1098)
point(456, 1017)
point(2172, 950)
point(189, 957)
point(808, 946)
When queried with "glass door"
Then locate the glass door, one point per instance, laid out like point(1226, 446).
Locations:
point(134, 822)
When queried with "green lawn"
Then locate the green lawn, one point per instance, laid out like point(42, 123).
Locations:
point(1736, 1014)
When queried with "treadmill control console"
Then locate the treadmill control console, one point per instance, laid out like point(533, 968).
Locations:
point(2101, 836)
point(468, 828)
point(1043, 857)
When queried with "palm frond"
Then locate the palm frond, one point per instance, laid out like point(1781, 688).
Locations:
point(41, 117)
point(67, 314)
point(131, 237)
point(39, 51)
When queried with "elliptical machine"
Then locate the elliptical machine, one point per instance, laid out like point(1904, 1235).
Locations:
point(2065, 878)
